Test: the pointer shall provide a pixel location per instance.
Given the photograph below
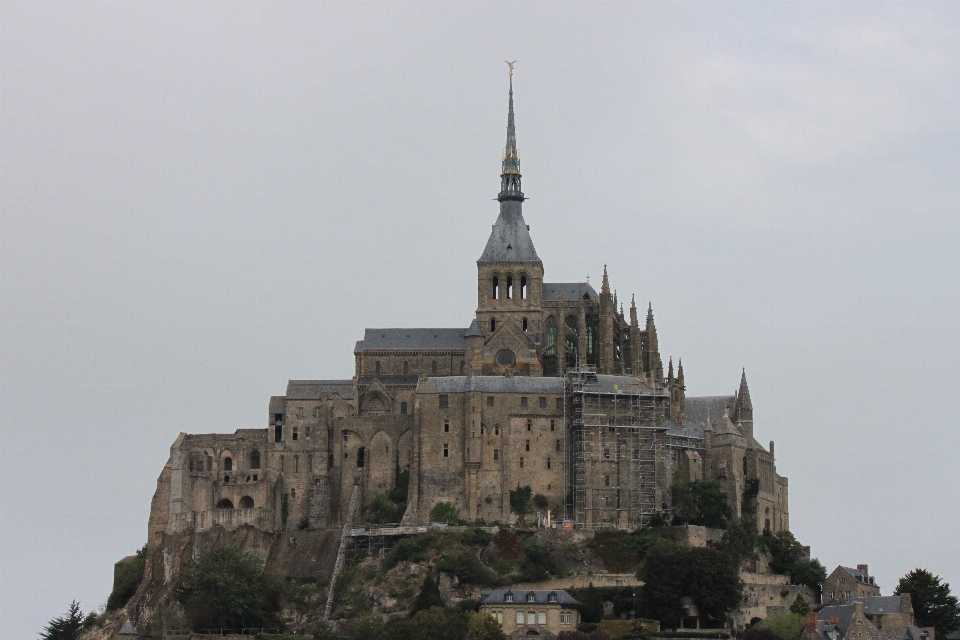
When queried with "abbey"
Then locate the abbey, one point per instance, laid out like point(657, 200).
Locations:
point(552, 386)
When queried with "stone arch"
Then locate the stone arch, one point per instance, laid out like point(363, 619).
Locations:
point(226, 455)
point(254, 459)
point(405, 450)
point(381, 460)
point(375, 401)
point(225, 503)
point(495, 286)
point(246, 502)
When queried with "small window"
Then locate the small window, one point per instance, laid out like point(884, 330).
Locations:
point(521, 463)
point(301, 413)
point(523, 402)
point(523, 324)
point(281, 463)
point(403, 408)
point(377, 367)
point(406, 367)
point(278, 433)
point(528, 445)
point(559, 445)
point(433, 367)
point(509, 287)
point(531, 597)
point(496, 429)
point(444, 401)
point(559, 404)
point(446, 426)
point(446, 450)
point(255, 460)
point(543, 403)
point(523, 296)
point(529, 425)
point(309, 464)
point(481, 428)
point(496, 454)
point(296, 464)
point(463, 364)
point(346, 437)
point(553, 425)
point(508, 597)
point(306, 432)
point(606, 481)
point(228, 464)
point(606, 452)
point(495, 291)
point(317, 412)
point(489, 401)
point(552, 597)
point(295, 433)
point(519, 615)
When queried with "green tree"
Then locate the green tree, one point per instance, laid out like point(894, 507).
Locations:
point(126, 578)
point(740, 541)
point(711, 507)
point(785, 626)
point(520, 502)
point(933, 605)
point(65, 627)
point(428, 597)
point(482, 627)
point(439, 623)
point(665, 576)
point(800, 606)
point(714, 583)
point(808, 572)
point(227, 588)
point(541, 502)
point(444, 512)
point(591, 604)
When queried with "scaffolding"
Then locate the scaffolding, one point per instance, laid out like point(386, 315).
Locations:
point(617, 437)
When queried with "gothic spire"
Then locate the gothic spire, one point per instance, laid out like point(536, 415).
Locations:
point(670, 370)
point(605, 285)
point(633, 312)
point(743, 395)
point(680, 371)
point(650, 324)
point(510, 175)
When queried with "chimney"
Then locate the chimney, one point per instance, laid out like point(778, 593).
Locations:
point(811, 622)
point(771, 447)
point(906, 607)
point(863, 568)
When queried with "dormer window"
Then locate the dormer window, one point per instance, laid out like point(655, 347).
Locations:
point(552, 597)
point(531, 597)
point(508, 597)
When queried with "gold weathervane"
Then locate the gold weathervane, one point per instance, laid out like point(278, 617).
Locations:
point(510, 64)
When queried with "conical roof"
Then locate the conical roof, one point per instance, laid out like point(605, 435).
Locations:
point(510, 239)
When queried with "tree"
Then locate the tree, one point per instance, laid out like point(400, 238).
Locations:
point(785, 626)
point(740, 541)
point(483, 627)
point(520, 502)
point(933, 605)
point(665, 581)
point(444, 512)
point(591, 605)
point(226, 588)
point(714, 583)
point(808, 572)
point(65, 627)
point(541, 502)
point(710, 503)
point(439, 623)
point(428, 597)
point(126, 579)
point(800, 606)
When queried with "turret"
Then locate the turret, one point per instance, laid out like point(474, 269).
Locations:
point(743, 408)
point(606, 326)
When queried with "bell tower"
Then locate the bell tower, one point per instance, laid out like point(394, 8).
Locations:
point(510, 273)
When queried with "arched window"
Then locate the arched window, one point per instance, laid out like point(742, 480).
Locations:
point(433, 367)
point(255, 460)
point(509, 287)
point(551, 337)
point(493, 325)
point(495, 292)
point(523, 324)
point(228, 464)
point(523, 287)
point(225, 504)
point(406, 367)
point(403, 408)
point(377, 367)
point(246, 502)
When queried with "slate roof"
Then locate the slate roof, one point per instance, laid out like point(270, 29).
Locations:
point(874, 605)
point(473, 330)
point(689, 430)
point(860, 576)
point(572, 291)
point(491, 384)
point(510, 239)
point(438, 339)
point(498, 596)
point(698, 408)
point(318, 389)
point(127, 629)
point(410, 380)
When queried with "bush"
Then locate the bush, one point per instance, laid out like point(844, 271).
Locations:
point(520, 502)
point(785, 626)
point(126, 579)
point(227, 588)
point(464, 564)
point(444, 512)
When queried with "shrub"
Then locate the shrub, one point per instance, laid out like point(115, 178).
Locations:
point(126, 579)
point(520, 502)
point(428, 597)
point(65, 627)
point(444, 512)
point(464, 564)
point(785, 626)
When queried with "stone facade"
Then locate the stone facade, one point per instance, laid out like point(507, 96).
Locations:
point(845, 583)
point(524, 613)
point(474, 412)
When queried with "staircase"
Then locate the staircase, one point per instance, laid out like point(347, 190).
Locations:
point(350, 514)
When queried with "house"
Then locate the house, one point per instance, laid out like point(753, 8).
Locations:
point(872, 618)
point(531, 613)
point(846, 583)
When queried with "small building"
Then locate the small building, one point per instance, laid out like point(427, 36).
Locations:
point(846, 583)
point(524, 613)
point(127, 631)
point(873, 618)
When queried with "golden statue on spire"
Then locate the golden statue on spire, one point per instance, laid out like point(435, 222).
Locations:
point(510, 64)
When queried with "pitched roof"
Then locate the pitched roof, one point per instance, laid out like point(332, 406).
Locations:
point(491, 384)
point(699, 408)
point(127, 629)
point(445, 339)
point(510, 239)
point(859, 576)
point(572, 291)
point(875, 605)
point(540, 596)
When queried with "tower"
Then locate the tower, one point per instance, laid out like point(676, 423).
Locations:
point(509, 272)
point(743, 408)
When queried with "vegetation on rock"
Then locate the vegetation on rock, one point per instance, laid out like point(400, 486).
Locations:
point(126, 579)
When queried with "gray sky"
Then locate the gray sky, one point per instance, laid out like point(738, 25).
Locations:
point(200, 201)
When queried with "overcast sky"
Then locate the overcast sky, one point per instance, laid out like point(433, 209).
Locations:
point(202, 200)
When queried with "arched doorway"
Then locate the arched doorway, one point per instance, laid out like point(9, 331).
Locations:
point(246, 502)
point(225, 504)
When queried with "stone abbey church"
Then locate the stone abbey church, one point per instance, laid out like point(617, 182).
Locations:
point(552, 385)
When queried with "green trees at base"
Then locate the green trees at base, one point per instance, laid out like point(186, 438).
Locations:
point(783, 626)
point(428, 597)
point(933, 605)
point(65, 627)
point(441, 623)
point(672, 571)
point(789, 557)
point(229, 589)
point(444, 512)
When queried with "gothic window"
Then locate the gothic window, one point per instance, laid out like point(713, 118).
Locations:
point(523, 293)
point(403, 408)
point(551, 336)
point(571, 322)
point(228, 464)
point(406, 367)
point(255, 460)
point(377, 367)
point(433, 367)
point(509, 287)
point(493, 325)
point(495, 293)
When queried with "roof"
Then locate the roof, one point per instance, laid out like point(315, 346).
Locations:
point(400, 380)
point(318, 389)
point(127, 629)
point(541, 596)
point(572, 291)
point(473, 330)
point(610, 384)
point(689, 430)
point(491, 384)
point(697, 409)
point(859, 576)
point(510, 239)
point(874, 605)
point(412, 339)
